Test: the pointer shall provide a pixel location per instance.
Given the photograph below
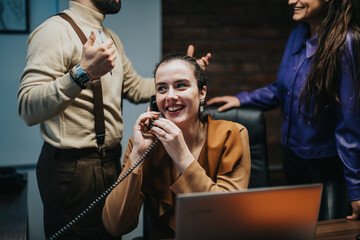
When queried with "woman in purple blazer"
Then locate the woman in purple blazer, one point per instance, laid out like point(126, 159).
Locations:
point(318, 91)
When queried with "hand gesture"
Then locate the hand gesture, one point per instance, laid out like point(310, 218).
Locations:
point(174, 143)
point(97, 60)
point(229, 102)
point(203, 62)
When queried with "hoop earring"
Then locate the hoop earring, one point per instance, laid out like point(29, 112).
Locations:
point(202, 106)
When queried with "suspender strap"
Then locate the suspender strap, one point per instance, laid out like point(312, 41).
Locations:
point(99, 114)
point(75, 27)
point(97, 91)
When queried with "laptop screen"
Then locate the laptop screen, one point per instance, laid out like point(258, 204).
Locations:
point(280, 213)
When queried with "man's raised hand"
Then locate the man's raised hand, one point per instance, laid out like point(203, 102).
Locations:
point(97, 60)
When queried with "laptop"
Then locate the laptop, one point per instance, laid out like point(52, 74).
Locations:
point(281, 213)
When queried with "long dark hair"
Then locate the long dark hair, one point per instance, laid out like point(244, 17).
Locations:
point(199, 73)
point(321, 89)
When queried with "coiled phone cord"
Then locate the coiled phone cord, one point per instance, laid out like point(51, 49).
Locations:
point(103, 195)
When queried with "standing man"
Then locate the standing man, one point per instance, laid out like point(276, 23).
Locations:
point(56, 92)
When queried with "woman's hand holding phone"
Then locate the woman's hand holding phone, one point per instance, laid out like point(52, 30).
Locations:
point(142, 137)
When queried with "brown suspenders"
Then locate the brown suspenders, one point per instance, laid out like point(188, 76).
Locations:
point(97, 92)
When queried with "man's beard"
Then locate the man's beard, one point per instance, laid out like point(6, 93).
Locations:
point(107, 6)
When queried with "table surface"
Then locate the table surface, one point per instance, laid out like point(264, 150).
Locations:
point(13, 215)
point(337, 229)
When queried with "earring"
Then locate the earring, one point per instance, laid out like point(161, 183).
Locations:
point(202, 105)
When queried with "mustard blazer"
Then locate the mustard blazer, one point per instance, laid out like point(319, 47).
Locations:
point(223, 165)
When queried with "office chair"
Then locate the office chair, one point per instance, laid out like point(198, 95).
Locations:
point(253, 119)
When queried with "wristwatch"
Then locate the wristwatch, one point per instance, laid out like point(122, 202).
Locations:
point(81, 78)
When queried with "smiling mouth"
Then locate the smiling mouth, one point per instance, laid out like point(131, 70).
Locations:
point(298, 8)
point(174, 108)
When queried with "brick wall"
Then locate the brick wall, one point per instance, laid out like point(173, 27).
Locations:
point(246, 39)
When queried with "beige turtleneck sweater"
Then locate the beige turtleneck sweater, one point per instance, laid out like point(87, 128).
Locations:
point(47, 95)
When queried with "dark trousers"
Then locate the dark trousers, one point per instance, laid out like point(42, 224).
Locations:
point(69, 180)
point(329, 172)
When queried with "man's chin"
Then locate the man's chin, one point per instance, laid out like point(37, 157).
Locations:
point(107, 6)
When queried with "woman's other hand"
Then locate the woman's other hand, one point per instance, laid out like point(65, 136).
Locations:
point(173, 140)
point(228, 102)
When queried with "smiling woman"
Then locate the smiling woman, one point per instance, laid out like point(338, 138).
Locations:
point(178, 94)
point(318, 91)
point(309, 11)
point(181, 163)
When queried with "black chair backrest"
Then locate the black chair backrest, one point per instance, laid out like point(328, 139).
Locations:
point(254, 121)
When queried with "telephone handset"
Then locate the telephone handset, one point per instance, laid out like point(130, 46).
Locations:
point(153, 104)
point(153, 107)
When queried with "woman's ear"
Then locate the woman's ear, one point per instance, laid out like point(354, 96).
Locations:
point(203, 92)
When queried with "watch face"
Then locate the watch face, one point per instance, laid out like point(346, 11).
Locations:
point(82, 76)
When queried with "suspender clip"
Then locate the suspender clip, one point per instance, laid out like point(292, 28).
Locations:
point(100, 138)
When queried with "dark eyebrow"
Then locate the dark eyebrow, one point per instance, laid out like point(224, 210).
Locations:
point(182, 80)
point(159, 84)
point(177, 81)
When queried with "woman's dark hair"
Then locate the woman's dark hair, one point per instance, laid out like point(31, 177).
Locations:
point(199, 73)
point(321, 89)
